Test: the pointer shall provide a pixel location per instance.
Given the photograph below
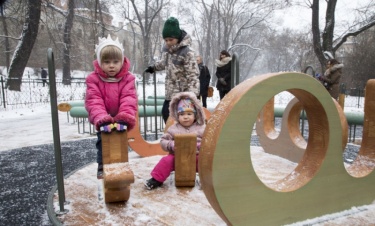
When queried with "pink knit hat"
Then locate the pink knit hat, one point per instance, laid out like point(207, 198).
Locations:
point(185, 104)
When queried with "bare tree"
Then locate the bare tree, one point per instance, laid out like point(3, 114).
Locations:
point(25, 45)
point(202, 23)
point(359, 62)
point(234, 25)
point(327, 42)
point(67, 43)
point(145, 15)
point(6, 38)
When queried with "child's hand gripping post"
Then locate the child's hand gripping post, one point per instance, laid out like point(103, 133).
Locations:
point(120, 126)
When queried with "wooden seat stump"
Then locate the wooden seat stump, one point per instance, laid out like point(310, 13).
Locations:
point(64, 107)
point(117, 175)
point(185, 160)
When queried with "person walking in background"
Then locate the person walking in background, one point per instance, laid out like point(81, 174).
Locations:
point(111, 98)
point(332, 76)
point(223, 73)
point(189, 117)
point(44, 76)
point(178, 60)
point(204, 80)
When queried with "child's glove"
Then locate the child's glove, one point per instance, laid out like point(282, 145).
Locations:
point(120, 126)
point(126, 119)
point(107, 128)
point(170, 147)
point(198, 146)
point(150, 69)
point(106, 120)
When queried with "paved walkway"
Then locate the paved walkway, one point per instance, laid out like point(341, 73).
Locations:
point(28, 174)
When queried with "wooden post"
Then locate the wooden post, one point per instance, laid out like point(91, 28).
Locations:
point(115, 147)
point(185, 159)
point(117, 175)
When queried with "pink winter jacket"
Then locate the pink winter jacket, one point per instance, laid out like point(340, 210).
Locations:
point(198, 127)
point(111, 96)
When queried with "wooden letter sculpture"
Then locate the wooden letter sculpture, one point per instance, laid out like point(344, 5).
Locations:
point(117, 175)
point(232, 186)
point(185, 160)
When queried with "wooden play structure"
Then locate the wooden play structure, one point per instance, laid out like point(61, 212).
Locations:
point(117, 175)
point(145, 148)
point(319, 184)
point(232, 186)
point(291, 144)
point(185, 160)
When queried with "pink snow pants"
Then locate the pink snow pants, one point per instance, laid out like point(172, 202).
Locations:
point(165, 166)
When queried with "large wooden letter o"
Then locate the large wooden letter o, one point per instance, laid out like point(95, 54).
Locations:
point(227, 175)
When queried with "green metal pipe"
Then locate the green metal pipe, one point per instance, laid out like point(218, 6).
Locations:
point(353, 118)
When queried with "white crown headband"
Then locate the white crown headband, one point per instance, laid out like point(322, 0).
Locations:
point(103, 42)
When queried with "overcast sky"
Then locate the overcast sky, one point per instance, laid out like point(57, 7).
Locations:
point(299, 17)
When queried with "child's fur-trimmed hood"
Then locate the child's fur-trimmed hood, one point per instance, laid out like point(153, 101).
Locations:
point(200, 116)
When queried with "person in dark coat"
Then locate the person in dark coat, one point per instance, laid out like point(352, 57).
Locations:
point(332, 76)
point(223, 73)
point(44, 76)
point(204, 80)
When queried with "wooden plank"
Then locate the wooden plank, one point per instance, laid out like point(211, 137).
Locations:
point(116, 194)
point(185, 159)
point(140, 145)
point(117, 175)
point(115, 147)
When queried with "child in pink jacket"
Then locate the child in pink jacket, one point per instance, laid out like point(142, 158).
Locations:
point(110, 95)
point(189, 117)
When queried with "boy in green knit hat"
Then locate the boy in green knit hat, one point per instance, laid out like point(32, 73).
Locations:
point(178, 61)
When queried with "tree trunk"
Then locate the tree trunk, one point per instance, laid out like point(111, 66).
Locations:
point(6, 42)
point(316, 34)
point(25, 45)
point(329, 27)
point(67, 41)
point(99, 8)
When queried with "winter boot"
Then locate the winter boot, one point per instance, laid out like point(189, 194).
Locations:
point(99, 175)
point(152, 184)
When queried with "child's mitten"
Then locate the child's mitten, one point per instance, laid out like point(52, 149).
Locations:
point(170, 147)
point(198, 146)
point(125, 118)
point(106, 120)
point(107, 128)
point(120, 126)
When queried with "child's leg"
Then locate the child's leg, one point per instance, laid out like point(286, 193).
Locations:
point(163, 169)
point(99, 153)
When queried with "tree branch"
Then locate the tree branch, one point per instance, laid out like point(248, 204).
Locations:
point(344, 38)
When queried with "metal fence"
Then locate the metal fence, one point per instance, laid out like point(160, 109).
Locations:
point(33, 93)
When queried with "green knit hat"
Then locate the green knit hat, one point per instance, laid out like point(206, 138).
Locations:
point(171, 28)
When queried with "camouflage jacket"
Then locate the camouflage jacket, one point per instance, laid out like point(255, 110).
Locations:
point(182, 72)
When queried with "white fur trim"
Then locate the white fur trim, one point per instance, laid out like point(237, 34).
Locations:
point(103, 42)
